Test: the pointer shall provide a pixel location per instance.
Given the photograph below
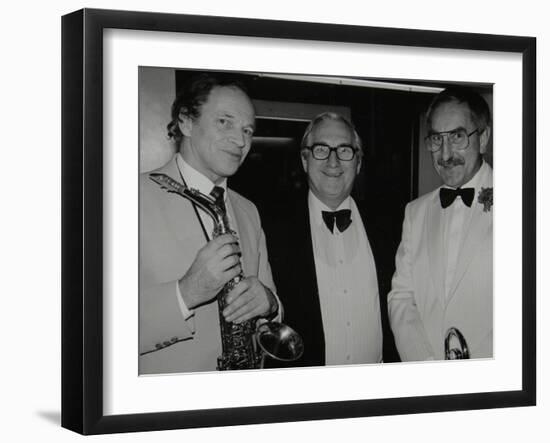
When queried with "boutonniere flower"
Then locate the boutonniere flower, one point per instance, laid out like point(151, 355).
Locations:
point(485, 197)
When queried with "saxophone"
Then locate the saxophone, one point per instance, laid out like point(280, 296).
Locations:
point(243, 345)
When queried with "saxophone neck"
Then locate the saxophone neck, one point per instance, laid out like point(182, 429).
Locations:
point(205, 202)
point(208, 204)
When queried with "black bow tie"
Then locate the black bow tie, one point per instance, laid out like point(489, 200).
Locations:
point(342, 218)
point(447, 196)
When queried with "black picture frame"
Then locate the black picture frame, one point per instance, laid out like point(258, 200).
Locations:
point(82, 220)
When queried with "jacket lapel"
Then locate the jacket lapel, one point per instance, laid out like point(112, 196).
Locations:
point(475, 231)
point(434, 234)
point(180, 213)
point(303, 236)
point(306, 281)
point(240, 226)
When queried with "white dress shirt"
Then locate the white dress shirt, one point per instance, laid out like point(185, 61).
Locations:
point(348, 288)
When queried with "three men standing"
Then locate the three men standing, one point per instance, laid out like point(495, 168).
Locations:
point(323, 264)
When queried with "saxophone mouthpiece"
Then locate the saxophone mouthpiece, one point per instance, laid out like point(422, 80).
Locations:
point(167, 182)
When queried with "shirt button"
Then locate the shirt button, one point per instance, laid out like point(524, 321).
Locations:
point(348, 323)
point(345, 291)
point(348, 357)
point(341, 262)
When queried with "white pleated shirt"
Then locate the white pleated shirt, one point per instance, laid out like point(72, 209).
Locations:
point(348, 288)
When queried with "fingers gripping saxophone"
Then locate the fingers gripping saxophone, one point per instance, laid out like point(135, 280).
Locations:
point(243, 347)
point(239, 350)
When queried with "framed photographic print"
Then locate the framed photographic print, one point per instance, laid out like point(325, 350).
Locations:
point(139, 354)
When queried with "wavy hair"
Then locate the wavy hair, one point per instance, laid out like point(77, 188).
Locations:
point(479, 109)
point(192, 96)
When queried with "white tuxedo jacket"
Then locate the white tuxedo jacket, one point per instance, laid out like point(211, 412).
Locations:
point(420, 312)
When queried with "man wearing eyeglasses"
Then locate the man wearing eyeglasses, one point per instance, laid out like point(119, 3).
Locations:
point(444, 264)
point(323, 266)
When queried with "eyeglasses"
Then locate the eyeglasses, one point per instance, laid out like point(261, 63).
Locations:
point(459, 139)
point(321, 151)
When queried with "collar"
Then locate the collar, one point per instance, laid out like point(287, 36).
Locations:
point(197, 180)
point(317, 206)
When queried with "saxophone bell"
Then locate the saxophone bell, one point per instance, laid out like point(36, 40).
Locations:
point(279, 341)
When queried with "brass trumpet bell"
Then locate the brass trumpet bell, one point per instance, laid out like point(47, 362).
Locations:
point(460, 353)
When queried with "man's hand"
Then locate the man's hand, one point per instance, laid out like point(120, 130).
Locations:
point(216, 263)
point(249, 299)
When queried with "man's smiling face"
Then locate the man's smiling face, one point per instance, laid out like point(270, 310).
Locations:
point(331, 180)
point(217, 141)
point(457, 168)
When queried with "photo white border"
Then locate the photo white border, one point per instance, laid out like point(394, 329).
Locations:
point(126, 393)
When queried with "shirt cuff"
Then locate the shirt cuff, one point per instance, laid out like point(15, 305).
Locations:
point(187, 313)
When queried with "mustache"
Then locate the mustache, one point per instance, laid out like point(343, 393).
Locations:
point(453, 161)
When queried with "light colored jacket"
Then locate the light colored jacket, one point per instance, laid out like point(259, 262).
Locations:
point(170, 237)
point(420, 312)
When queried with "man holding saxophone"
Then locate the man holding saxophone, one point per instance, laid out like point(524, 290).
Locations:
point(182, 268)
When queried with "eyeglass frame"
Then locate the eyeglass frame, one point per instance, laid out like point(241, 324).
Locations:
point(331, 149)
point(446, 133)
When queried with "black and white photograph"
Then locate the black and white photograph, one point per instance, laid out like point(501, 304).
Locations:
point(275, 222)
point(271, 221)
point(297, 221)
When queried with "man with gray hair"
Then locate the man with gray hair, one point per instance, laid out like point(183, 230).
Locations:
point(442, 289)
point(321, 257)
